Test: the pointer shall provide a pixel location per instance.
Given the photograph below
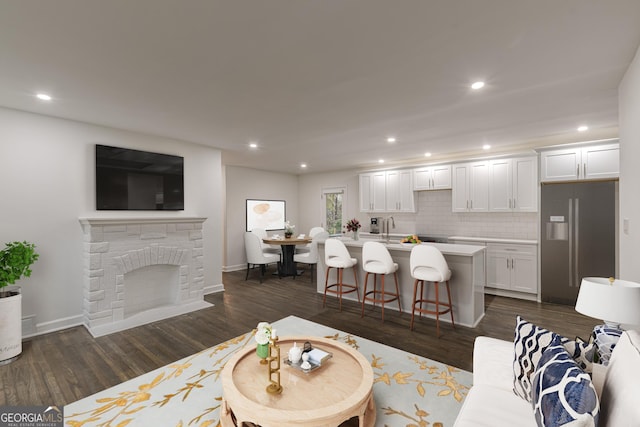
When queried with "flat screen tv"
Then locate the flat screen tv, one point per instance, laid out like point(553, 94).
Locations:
point(129, 179)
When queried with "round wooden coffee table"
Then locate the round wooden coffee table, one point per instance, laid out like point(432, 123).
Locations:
point(341, 389)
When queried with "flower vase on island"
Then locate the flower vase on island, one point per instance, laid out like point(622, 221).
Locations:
point(354, 226)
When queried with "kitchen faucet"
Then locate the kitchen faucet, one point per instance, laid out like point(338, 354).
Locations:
point(393, 224)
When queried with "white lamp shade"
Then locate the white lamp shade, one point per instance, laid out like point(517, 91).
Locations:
point(617, 302)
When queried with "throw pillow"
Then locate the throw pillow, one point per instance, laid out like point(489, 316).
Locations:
point(529, 343)
point(562, 392)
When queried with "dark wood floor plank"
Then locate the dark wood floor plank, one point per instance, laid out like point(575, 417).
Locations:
point(64, 366)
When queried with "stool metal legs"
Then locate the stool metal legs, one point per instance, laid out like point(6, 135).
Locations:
point(339, 285)
point(418, 300)
point(383, 294)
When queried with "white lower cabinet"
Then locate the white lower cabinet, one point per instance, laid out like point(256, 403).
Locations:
point(512, 267)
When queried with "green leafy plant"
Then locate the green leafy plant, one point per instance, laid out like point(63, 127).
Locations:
point(16, 260)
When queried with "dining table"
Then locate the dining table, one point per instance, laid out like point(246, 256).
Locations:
point(288, 245)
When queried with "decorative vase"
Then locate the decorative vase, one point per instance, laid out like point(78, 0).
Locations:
point(288, 235)
point(10, 324)
point(262, 350)
point(355, 235)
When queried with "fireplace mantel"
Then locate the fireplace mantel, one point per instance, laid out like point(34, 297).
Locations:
point(115, 247)
point(140, 220)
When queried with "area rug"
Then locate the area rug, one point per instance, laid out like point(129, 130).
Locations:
point(409, 390)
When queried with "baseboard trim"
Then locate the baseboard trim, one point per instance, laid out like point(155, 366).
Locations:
point(53, 326)
point(230, 268)
point(212, 289)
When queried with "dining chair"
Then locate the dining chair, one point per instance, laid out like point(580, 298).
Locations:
point(306, 248)
point(256, 256)
point(336, 255)
point(427, 264)
point(311, 257)
point(267, 248)
point(377, 260)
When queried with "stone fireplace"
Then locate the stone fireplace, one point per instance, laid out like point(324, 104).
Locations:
point(140, 270)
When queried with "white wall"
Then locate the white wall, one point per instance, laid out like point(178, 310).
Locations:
point(245, 183)
point(629, 117)
point(47, 183)
point(310, 193)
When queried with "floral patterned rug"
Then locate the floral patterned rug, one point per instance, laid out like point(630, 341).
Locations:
point(409, 390)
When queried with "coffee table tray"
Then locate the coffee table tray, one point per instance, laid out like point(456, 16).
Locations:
point(314, 365)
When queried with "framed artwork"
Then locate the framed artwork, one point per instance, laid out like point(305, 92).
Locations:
point(267, 214)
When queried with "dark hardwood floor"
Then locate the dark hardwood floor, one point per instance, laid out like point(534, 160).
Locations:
point(61, 367)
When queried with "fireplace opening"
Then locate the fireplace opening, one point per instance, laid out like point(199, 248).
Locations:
point(151, 287)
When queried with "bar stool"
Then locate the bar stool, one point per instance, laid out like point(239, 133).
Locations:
point(337, 256)
point(376, 260)
point(428, 265)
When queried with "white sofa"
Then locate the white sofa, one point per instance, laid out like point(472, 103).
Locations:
point(492, 402)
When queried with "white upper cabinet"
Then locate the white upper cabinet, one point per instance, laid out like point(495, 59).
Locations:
point(372, 192)
point(594, 162)
point(432, 178)
point(470, 187)
point(400, 191)
point(513, 185)
point(387, 191)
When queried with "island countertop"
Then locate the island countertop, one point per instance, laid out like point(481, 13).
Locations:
point(445, 248)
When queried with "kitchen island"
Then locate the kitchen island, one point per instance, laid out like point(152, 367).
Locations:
point(467, 264)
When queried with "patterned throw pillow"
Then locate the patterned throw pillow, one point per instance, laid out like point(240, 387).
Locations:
point(562, 392)
point(529, 343)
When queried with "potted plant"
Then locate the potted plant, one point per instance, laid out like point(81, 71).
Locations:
point(15, 263)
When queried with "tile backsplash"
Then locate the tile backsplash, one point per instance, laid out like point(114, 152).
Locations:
point(435, 218)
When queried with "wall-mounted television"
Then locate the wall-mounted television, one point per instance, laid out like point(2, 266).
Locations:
point(129, 179)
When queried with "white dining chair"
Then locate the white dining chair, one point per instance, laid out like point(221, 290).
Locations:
point(256, 256)
point(306, 248)
point(311, 257)
point(336, 255)
point(267, 248)
point(427, 264)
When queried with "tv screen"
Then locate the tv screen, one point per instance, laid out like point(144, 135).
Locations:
point(129, 179)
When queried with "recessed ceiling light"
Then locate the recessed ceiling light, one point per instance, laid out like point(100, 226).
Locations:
point(381, 161)
point(303, 165)
point(253, 145)
point(477, 85)
point(486, 146)
point(391, 140)
point(427, 154)
point(43, 97)
point(583, 128)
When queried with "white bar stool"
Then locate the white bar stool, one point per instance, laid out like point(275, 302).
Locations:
point(337, 256)
point(376, 260)
point(428, 265)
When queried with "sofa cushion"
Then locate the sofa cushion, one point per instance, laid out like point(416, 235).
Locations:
point(619, 399)
point(490, 406)
point(529, 343)
point(562, 393)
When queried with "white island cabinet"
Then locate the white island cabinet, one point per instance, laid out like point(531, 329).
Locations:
point(467, 264)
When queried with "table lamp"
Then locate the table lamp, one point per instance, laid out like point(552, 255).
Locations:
point(615, 302)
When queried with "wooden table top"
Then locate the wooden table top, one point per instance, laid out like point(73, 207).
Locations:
point(340, 388)
point(289, 241)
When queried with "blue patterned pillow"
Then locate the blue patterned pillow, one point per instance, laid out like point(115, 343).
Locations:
point(561, 391)
point(529, 343)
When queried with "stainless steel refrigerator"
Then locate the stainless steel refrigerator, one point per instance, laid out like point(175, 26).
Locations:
point(578, 226)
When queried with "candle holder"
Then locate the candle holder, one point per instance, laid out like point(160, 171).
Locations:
point(274, 356)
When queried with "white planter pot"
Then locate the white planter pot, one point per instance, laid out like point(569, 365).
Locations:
point(10, 324)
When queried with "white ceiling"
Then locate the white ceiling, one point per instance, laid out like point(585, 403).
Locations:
point(325, 82)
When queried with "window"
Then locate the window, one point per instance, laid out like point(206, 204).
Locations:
point(333, 204)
